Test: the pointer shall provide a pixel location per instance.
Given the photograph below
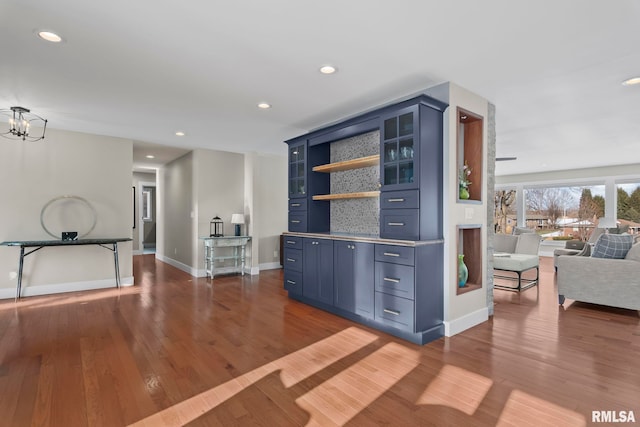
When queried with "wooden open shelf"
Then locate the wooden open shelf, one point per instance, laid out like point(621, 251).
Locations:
point(359, 195)
point(470, 245)
point(470, 150)
point(468, 287)
point(361, 162)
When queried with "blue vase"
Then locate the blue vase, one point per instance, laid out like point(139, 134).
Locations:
point(463, 272)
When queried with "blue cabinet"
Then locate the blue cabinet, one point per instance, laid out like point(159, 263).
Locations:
point(297, 169)
point(393, 286)
point(354, 277)
point(400, 149)
point(305, 214)
point(411, 172)
point(292, 260)
point(317, 269)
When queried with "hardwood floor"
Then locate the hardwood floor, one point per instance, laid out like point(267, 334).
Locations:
point(175, 350)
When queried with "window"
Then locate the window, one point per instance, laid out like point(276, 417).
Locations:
point(147, 205)
point(628, 207)
point(504, 216)
point(570, 212)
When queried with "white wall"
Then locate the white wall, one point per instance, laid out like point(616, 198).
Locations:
point(207, 183)
point(271, 207)
point(219, 182)
point(96, 168)
point(177, 205)
point(467, 309)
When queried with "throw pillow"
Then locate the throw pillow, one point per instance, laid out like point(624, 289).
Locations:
point(634, 253)
point(613, 246)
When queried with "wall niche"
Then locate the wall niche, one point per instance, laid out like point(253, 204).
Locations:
point(469, 244)
point(470, 149)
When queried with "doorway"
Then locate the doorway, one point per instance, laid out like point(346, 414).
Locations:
point(147, 209)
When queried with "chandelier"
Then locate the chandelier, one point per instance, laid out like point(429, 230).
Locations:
point(20, 120)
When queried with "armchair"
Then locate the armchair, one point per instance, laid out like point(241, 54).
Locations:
point(576, 247)
point(516, 254)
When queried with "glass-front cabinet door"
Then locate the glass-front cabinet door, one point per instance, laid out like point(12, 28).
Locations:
point(297, 161)
point(399, 146)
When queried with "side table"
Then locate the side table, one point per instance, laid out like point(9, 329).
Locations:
point(212, 254)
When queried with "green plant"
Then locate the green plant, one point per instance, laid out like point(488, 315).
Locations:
point(463, 176)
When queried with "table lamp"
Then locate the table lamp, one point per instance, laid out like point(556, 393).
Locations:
point(237, 219)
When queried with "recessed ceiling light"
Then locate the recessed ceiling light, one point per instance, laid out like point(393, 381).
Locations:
point(328, 69)
point(149, 156)
point(49, 36)
point(631, 81)
point(180, 133)
point(264, 105)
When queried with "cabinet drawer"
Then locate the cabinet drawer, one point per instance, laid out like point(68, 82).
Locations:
point(292, 259)
point(399, 224)
point(395, 279)
point(292, 242)
point(298, 204)
point(394, 311)
point(293, 282)
point(395, 254)
point(298, 221)
point(409, 199)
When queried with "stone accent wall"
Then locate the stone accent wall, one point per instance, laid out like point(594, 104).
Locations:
point(360, 216)
point(491, 181)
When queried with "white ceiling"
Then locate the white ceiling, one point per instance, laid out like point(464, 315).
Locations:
point(144, 69)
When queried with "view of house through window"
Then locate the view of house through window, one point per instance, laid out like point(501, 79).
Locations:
point(554, 212)
point(628, 208)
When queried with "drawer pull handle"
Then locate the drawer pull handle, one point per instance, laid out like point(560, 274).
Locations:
point(391, 254)
point(395, 313)
point(291, 242)
point(389, 279)
point(295, 221)
point(291, 260)
point(395, 200)
point(295, 205)
point(291, 282)
point(396, 224)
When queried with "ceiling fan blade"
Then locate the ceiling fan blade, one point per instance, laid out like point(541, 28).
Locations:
point(502, 159)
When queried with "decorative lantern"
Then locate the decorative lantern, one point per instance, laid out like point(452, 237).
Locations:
point(215, 227)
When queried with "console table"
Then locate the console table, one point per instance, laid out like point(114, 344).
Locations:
point(238, 243)
point(39, 244)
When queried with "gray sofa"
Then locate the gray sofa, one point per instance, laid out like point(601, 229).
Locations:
point(612, 282)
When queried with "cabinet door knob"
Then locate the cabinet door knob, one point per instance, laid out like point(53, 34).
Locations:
point(391, 254)
point(295, 221)
point(291, 282)
point(291, 260)
point(395, 200)
point(295, 205)
point(389, 279)
point(389, 311)
point(396, 224)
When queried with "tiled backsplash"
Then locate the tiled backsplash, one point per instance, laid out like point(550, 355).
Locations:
point(360, 216)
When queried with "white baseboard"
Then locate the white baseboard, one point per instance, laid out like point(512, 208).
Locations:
point(138, 252)
point(270, 266)
point(58, 288)
point(463, 323)
point(179, 265)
